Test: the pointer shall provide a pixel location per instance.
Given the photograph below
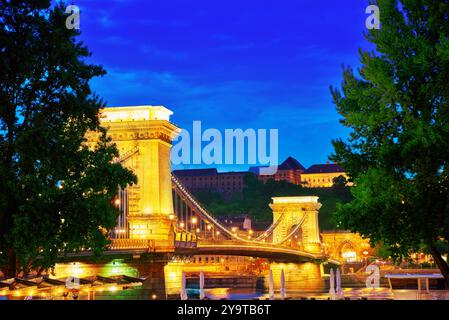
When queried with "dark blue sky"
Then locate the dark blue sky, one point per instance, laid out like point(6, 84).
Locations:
point(231, 64)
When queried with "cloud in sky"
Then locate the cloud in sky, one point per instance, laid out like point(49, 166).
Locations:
point(233, 64)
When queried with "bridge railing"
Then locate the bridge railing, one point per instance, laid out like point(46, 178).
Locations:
point(285, 245)
point(181, 239)
point(124, 244)
point(185, 239)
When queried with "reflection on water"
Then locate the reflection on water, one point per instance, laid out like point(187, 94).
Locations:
point(248, 294)
point(299, 277)
point(227, 293)
point(252, 294)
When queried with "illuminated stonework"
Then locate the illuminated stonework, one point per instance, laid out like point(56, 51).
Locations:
point(346, 246)
point(143, 136)
point(321, 180)
point(296, 211)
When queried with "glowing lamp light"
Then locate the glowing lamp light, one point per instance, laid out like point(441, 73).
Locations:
point(197, 229)
point(117, 202)
point(250, 231)
point(194, 220)
point(218, 233)
point(171, 217)
point(234, 229)
point(181, 224)
point(115, 270)
point(113, 289)
point(209, 227)
point(153, 296)
point(348, 255)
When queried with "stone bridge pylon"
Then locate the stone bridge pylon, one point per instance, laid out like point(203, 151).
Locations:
point(297, 216)
point(143, 136)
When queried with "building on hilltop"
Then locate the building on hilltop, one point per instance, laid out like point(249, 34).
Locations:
point(322, 175)
point(226, 183)
point(290, 170)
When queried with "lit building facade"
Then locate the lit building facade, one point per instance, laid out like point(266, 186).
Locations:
point(346, 246)
point(322, 175)
point(211, 180)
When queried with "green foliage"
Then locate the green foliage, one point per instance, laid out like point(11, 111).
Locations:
point(397, 107)
point(55, 192)
point(257, 195)
point(383, 251)
point(217, 204)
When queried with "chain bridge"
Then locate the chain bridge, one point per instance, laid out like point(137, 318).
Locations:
point(158, 214)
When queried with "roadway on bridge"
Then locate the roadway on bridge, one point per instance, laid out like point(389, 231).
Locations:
point(234, 248)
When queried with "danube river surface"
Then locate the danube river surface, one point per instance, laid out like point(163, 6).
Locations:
point(251, 294)
point(245, 294)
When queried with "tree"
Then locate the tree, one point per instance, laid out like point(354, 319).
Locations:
point(339, 182)
point(397, 107)
point(56, 194)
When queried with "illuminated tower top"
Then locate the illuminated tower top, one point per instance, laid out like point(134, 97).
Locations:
point(135, 113)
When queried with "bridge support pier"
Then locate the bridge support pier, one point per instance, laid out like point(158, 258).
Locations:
point(299, 277)
point(150, 266)
point(155, 284)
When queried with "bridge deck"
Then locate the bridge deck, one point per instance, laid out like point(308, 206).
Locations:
point(255, 250)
